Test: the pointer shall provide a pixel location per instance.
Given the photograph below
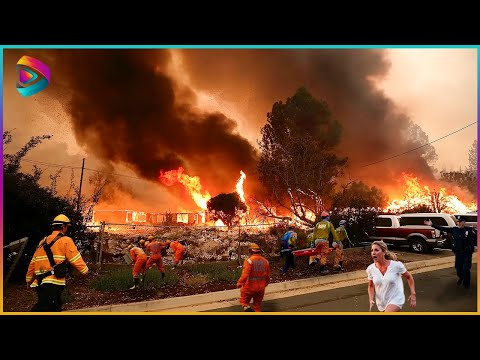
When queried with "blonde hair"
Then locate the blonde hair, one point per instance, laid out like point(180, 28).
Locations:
point(389, 255)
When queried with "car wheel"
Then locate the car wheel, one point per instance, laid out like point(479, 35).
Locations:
point(418, 245)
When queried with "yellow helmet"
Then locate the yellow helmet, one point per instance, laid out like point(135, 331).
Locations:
point(146, 243)
point(150, 237)
point(142, 242)
point(129, 246)
point(61, 220)
point(254, 247)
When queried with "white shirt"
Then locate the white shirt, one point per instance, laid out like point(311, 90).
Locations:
point(388, 287)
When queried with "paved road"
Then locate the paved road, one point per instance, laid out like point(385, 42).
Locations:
point(437, 291)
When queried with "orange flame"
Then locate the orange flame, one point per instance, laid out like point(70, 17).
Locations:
point(191, 183)
point(239, 185)
point(439, 201)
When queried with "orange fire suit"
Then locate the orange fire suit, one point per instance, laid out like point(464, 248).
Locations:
point(253, 281)
point(155, 248)
point(321, 233)
point(140, 259)
point(178, 251)
point(338, 246)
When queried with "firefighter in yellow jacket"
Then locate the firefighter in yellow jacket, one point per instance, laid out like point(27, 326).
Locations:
point(321, 235)
point(254, 279)
point(342, 233)
point(50, 283)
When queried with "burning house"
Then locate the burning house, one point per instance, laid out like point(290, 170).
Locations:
point(154, 218)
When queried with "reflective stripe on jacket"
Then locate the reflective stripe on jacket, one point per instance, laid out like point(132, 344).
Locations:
point(256, 273)
point(63, 249)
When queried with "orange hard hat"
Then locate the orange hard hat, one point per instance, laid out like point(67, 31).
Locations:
point(324, 214)
point(254, 247)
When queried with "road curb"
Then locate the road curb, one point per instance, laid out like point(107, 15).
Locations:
point(228, 298)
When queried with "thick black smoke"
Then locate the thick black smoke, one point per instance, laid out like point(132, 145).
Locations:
point(126, 109)
point(374, 128)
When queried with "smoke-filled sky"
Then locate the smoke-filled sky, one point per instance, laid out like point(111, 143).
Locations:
point(138, 112)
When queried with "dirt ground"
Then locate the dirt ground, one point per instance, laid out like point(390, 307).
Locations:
point(17, 298)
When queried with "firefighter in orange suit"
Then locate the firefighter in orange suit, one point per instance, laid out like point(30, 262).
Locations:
point(40, 272)
point(155, 249)
point(321, 234)
point(254, 279)
point(140, 260)
point(178, 252)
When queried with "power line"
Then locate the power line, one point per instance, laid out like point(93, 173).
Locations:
point(135, 177)
point(419, 147)
point(77, 167)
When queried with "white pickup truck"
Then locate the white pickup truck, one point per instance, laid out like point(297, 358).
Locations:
point(399, 230)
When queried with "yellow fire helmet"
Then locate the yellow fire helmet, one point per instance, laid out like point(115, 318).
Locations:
point(146, 243)
point(254, 247)
point(61, 220)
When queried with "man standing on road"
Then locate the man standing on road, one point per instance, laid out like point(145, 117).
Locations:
point(254, 279)
point(464, 241)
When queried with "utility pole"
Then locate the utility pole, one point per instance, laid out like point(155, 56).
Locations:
point(80, 189)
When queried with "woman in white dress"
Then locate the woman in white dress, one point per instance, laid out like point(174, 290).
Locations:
point(385, 285)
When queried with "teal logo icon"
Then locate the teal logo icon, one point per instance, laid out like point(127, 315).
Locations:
point(32, 76)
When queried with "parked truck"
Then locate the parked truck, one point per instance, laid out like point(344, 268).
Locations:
point(421, 238)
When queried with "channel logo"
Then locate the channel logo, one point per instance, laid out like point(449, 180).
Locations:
point(32, 76)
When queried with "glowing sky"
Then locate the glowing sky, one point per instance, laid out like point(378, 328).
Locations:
point(435, 88)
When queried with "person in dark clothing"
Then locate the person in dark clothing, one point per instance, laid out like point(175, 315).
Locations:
point(464, 241)
point(288, 244)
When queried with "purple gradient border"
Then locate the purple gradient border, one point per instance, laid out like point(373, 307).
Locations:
point(1, 176)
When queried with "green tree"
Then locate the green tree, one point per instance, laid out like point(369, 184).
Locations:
point(227, 207)
point(465, 179)
point(358, 195)
point(419, 139)
point(298, 167)
point(30, 208)
point(359, 204)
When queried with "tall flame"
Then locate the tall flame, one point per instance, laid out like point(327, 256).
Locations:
point(239, 185)
point(191, 183)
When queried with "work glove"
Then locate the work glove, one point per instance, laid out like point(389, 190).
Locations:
point(239, 285)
